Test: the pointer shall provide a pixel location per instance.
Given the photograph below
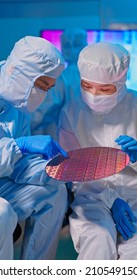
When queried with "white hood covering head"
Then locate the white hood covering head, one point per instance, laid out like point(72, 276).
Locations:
point(104, 63)
point(30, 58)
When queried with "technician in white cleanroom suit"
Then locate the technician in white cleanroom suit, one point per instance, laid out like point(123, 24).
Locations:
point(45, 119)
point(105, 110)
point(26, 192)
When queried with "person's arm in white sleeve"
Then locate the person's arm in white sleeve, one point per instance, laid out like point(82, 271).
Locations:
point(9, 155)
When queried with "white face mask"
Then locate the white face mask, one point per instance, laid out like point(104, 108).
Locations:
point(102, 104)
point(35, 99)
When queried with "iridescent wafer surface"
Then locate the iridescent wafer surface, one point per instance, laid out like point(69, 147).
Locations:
point(87, 164)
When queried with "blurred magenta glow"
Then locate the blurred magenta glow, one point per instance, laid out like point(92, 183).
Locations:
point(53, 36)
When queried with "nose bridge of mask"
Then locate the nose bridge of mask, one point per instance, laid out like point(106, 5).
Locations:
point(93, 90)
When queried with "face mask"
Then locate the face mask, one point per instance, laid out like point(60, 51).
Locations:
point(103, 104)
point(35, 99)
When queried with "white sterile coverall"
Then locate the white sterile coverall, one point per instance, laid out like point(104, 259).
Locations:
point(32, 195)
point(46, 118)
point(92, 227)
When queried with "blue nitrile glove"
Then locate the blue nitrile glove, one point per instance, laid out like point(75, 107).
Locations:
point(123, 217)
point(129, 146)
point(40, 144)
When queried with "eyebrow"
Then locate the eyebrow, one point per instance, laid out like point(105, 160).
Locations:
point(47, 84)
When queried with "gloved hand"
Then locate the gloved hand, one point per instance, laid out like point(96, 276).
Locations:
point(128, 145)
point(40, 144)
point(123, 217)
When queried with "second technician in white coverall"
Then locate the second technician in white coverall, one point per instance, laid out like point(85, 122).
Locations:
point(105, 110)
